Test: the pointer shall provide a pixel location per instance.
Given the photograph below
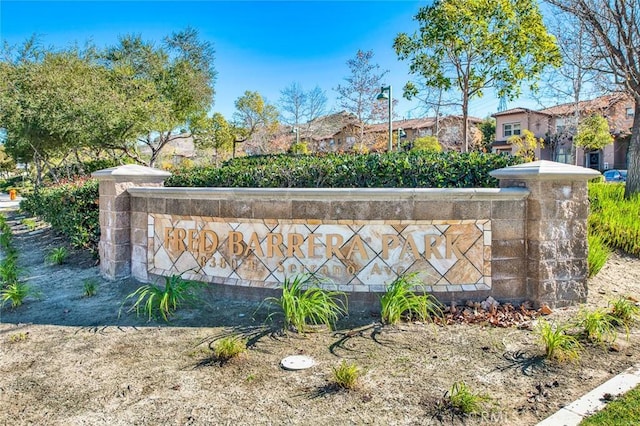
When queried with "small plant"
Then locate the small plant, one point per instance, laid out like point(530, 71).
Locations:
point(598, 325)
point(401, 301)
point(152, 299)
point(9, 270)
point(302, 307)
point(6, 238)
point(559, 346)
point(624, 311)
point(346, 375)
point(30, 223)
point(18, 337)
point(89, 288)
point(15, 293)
point(58, 255)
point(464, 401)
point(229, 347)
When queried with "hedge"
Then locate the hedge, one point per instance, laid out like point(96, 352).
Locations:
point(387, 170)
point(71, 208)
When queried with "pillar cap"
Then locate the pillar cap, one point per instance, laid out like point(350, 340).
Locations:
point(546, 170)
point(131, 173)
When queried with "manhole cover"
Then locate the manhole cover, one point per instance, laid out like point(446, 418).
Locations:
point(297, 362)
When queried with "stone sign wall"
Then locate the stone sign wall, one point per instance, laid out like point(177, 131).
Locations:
point(524, 241)
point(361, 255)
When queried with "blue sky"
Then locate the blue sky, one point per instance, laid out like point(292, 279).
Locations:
point(260, 45)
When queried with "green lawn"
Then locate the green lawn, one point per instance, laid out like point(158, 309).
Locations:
point(623, 411)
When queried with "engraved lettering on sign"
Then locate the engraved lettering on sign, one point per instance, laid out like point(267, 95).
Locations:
point(454, 252)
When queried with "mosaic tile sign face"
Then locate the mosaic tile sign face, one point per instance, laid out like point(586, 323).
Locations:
point(357, 255)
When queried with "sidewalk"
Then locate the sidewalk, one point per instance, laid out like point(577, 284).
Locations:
point(6, 202)
point(595, 400)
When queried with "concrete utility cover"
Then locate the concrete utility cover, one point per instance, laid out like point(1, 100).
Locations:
point(297, 362)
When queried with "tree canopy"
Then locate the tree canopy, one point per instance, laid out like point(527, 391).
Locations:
point(255, 120)
point(472, 45)
point(358, 95)
point(57, 102)
point(613, 28)
point(593, 133)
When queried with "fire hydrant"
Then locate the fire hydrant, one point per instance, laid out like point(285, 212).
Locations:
point(12, 194)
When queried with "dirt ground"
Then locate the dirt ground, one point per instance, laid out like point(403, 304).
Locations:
point(66, 359)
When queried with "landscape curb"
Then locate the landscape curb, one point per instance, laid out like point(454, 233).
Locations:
point(595, 400)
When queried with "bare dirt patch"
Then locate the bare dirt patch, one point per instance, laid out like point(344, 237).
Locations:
point(69, 359)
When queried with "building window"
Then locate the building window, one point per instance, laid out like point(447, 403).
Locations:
point(511, 129)
point(351, 140)
point(561, 125)
point(425, 132)
point(628, 112)
point(563, 155)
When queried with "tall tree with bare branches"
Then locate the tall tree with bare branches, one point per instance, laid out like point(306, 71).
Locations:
point(614, 30)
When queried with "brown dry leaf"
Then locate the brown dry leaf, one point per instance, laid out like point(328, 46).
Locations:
point(545, 310)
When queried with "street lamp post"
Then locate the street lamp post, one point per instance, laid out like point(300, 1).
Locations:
point(385, 93)
point(297, 132)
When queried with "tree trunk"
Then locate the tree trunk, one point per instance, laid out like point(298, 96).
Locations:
point(633, 176)
point(465, 123)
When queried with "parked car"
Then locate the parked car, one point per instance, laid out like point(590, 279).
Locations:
point(615, 176)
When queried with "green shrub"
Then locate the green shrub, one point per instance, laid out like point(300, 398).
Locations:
point(559, 345)
point(400, 300)
point(9, 271)
point(57, 256)
point(625, 311)
point(464, 401)
point(15, 293)
point(346, 375)
point(89, 288)
point(598, 325)
point(229, 347)
point(71, 209)
point(332, 170)
point(614, 219)
point(313, 305)
point(152, 299)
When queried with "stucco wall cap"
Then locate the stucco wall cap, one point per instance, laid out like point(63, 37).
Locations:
point(546, 170)
point(131, 172)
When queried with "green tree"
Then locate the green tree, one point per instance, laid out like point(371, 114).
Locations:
point(613, 29)
point(174, 82)
point(7, 165)
point(53, 104)
point(526, 145)
point(488, 130)
point(213, 133)
point(472, 45)
point(593, 133)
point(255, 121)
point(427, 143)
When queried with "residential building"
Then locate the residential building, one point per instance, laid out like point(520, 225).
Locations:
point(342, 132)
point(558, 125)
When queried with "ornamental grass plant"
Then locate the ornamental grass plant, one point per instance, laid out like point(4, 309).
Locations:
point(304, 303)
point(560, 346)
point(598, 325)
point(401, 301)
point(152, 300)
point(346, 375)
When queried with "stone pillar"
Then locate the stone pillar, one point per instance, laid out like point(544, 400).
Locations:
point(556, 229)
point(115, 215)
